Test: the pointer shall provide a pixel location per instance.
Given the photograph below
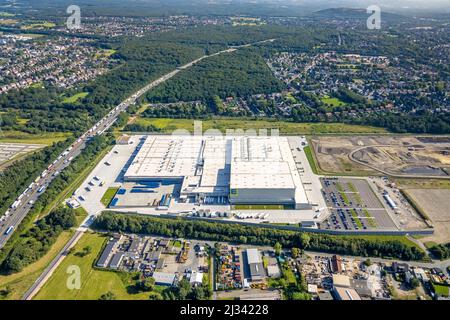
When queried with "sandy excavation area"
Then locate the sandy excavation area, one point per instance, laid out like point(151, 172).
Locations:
point(409, 155)
point(436, 204)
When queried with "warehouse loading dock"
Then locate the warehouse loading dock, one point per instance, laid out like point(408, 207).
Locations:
point(222, 170)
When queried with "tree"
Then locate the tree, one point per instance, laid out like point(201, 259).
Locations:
point(84, 252)
point(414, 283)
point(277, 248)
point(155, 296)
point(295, 252)
point(198, 293)
point(305, 240)
point(148, 284)
point(184, 288)
point(4, 293)
point(108, 296)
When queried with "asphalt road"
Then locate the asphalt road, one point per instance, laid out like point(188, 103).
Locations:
point(15, 215)
point(99, 128)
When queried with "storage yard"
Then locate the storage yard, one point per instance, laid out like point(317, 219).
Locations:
point(166, 260)
point(397, 155)
point(9, 151)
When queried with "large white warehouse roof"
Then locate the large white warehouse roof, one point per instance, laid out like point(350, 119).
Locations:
point(206, 163)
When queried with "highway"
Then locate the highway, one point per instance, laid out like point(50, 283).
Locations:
point(21, 207)
point(100, 128)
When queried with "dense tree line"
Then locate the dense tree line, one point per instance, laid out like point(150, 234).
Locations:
point(184, 291)
point(179, 110)
point(16, 177)
point(38, 240)
point(421, 122)
point(237, 74)
point(58, 185)
point(441, 251)
point(137, 127)
point(257, 235)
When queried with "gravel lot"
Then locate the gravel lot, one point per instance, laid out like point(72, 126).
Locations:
point(435, 203)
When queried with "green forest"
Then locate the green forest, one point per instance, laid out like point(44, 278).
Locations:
point(237, 74)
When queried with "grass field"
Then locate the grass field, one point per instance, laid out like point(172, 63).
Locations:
point(105, 53)
point(39, 25)
point(18, 283)
point(32, 35)
point(333, 102)
point(108, 196)
point(39, 138)
point(80, 214)
point(7, 21)
point(75, 97)
point(286, 128)
point(422, 183)
point(441, 290)
point(311, 160)
point(94, 282)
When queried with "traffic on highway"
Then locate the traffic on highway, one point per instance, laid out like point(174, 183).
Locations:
point(25, 201)
point(22, 205)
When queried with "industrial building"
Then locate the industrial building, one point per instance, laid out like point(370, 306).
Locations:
point(255, 265)
point(236, 170)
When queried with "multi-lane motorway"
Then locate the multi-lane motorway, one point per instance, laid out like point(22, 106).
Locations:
point(98, 128)
point(21, 207)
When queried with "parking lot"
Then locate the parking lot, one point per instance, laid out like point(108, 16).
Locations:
point(354, 206)
point(9, 151)
point(108, 173)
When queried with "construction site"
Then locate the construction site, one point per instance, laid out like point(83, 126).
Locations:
point(403, 156)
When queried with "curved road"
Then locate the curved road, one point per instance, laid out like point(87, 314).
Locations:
point(352, 158)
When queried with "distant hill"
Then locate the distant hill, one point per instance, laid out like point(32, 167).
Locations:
point(355, 13)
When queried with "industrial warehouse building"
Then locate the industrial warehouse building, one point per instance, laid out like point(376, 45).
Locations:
point(239, 170)
point(255, 265)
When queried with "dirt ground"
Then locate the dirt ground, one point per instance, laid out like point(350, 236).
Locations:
point(394, 154)
point(436, 204)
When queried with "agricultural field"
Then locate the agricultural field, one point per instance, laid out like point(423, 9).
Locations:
point(94, 283)
point(435, 204)
point(39, 25)
point(286, 128)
